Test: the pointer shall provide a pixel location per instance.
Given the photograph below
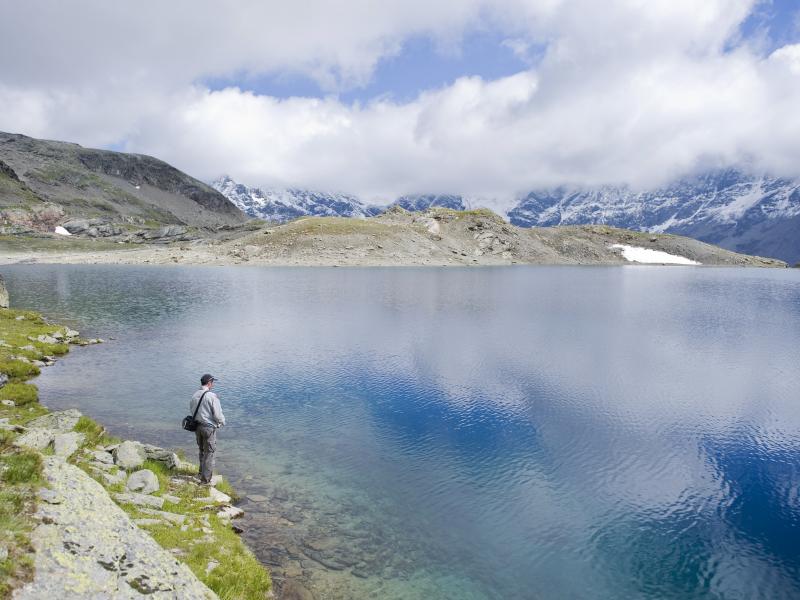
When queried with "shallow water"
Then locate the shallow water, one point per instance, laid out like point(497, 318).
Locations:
point(520, 432)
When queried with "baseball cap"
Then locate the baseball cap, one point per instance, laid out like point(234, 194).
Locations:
point(206, 378)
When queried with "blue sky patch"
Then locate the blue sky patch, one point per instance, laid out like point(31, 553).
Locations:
point(421, 65)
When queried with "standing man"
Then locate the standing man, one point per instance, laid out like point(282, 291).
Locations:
point(209, 418)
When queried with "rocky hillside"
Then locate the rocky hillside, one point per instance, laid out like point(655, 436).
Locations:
point(740, 212)
point(441, 236)
point(44, 184)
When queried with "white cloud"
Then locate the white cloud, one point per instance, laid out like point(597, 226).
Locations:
point(626, 91)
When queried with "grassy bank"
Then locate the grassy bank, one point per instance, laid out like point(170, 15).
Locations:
point(198, 537)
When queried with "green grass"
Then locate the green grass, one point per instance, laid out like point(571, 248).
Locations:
point(239, 575)
point(20, 467)
point(95, 433)
point(20, 393)
point(17, 369)
point(21, 474)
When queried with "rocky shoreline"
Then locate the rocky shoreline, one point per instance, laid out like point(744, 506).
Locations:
point(112, 518)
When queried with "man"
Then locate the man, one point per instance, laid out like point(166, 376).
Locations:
point(209, 418)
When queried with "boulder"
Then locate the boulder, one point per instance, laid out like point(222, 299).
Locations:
point(129, 455)
point(38, 439)
point(3, 293)
point(164, 232)
point(170, 459)
point(66, 444)
point(47, 339)
point(61, 421)
point(144, 481)
point(3, 379)
point(76, 225)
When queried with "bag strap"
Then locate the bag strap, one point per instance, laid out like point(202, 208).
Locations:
point(199, 402)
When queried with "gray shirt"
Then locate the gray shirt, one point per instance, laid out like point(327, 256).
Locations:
point(210, 412)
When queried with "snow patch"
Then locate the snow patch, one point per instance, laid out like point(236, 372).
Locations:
point(646, 255)
point(61, 231)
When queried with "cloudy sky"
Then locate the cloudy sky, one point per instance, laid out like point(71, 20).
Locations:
point(381, 98)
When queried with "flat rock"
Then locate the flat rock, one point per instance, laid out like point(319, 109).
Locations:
point(38, 439)
point(66, 444)
point(87, 547)
point(129, 455)
point(7, 402)
point(167, 516)
point(146, 522)
point(139, 499)
point(171, 499)
point(102, 456)
point(60, 421)
point(144, 481)
point(218, 496)
point(230, 512)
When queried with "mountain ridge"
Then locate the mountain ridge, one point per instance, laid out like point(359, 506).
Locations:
point(48, 182)
point(757, 215)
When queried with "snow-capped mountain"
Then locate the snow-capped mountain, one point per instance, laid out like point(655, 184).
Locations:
point(419, 202)
point(737, 211)
point(740, 212)
point(281, 205)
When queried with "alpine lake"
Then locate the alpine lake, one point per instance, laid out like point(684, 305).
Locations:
point(470, 434)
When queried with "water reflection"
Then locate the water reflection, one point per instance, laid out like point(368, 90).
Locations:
point(469, 433)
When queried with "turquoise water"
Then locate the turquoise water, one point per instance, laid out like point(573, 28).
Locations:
point(468, 433)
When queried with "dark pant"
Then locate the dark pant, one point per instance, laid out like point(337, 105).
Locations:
point(207, 443)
